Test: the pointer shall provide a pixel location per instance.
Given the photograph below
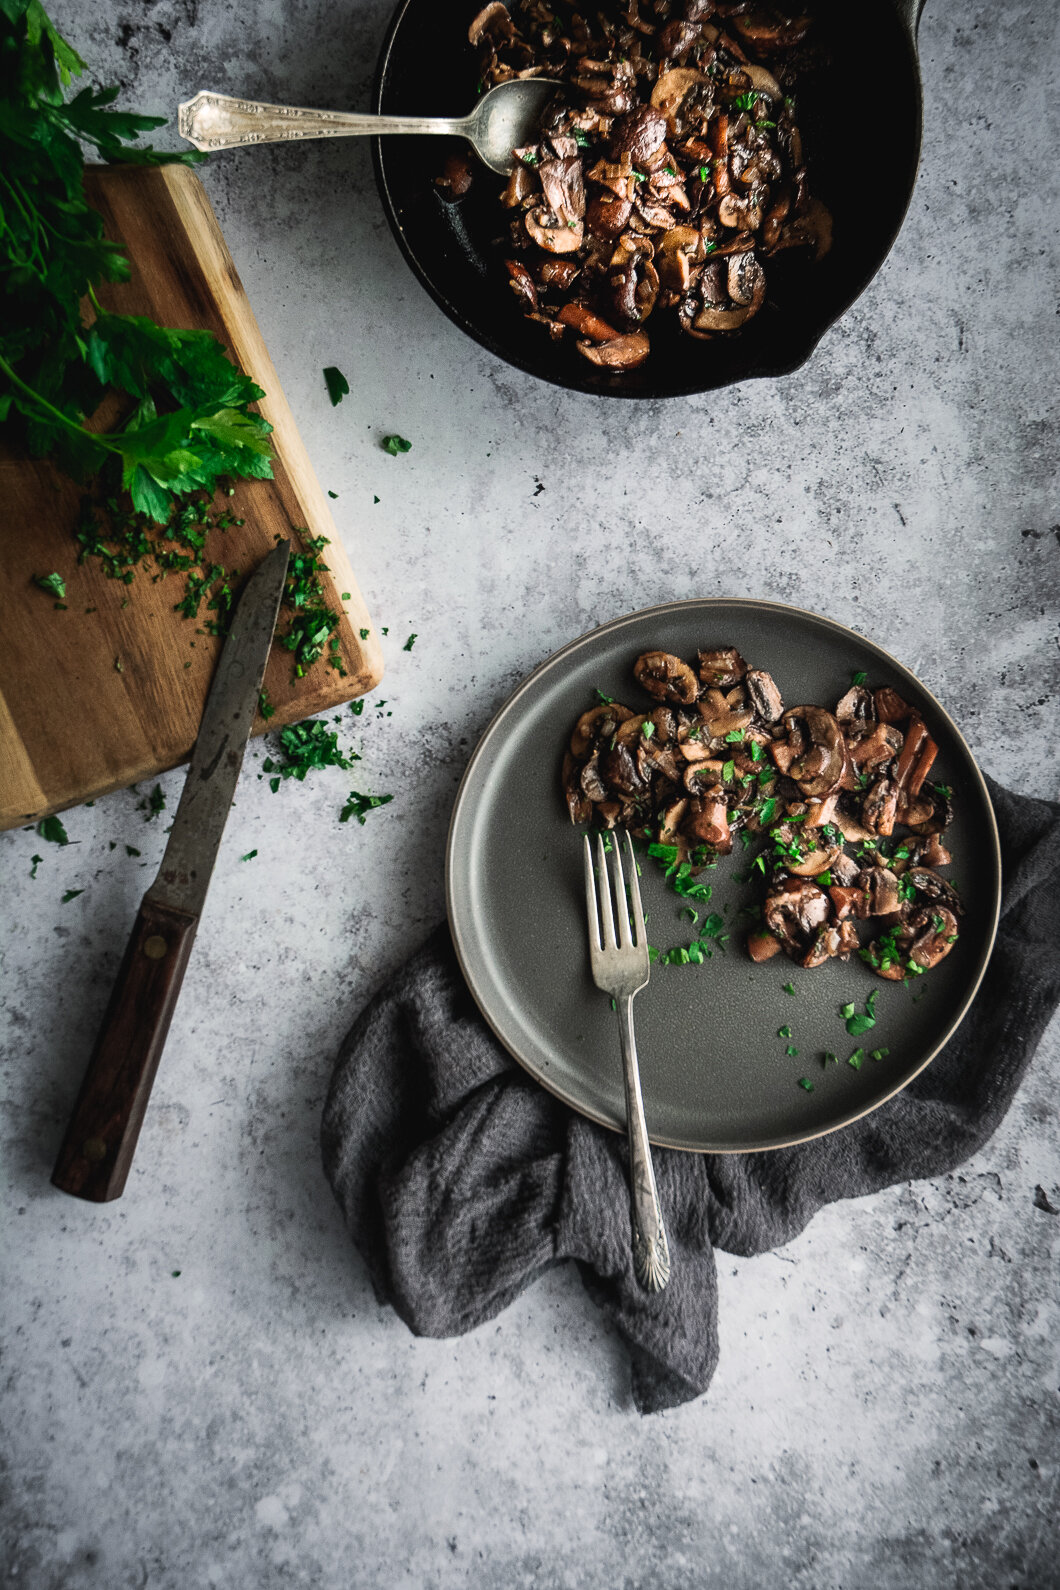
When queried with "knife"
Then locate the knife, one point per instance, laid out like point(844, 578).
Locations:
point(97, 1150)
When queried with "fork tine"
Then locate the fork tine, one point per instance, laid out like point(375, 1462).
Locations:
point(634, 890)
point(604, 890)
point(625, 938)
point(590, 895)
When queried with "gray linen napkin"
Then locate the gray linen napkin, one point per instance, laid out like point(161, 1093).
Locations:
point(462, 1181)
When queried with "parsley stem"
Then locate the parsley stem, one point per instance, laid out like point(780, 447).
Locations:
point(71, 425)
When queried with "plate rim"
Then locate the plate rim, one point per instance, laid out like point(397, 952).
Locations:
point(556, 659)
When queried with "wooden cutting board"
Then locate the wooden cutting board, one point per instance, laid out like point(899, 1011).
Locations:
point(92, 701)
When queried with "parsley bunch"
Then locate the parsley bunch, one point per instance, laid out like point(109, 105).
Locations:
point(187, 420)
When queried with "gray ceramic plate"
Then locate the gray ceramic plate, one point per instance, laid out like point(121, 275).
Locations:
point(715, 1073)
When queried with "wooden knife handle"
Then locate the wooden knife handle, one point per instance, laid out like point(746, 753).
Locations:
point(97, 1150)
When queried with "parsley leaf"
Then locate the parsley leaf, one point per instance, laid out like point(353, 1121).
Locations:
point(357, 805)
point(395, 445)
point(336, 383)
point(54, 583)
point(51, 828)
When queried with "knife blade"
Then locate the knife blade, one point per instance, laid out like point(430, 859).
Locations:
point(100, 1140)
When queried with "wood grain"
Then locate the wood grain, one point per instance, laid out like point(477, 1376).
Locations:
point(91, 701)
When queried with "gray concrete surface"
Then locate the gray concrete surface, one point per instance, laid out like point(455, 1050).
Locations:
point(887, 1410)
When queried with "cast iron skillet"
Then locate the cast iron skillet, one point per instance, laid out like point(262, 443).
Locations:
point(861, 118)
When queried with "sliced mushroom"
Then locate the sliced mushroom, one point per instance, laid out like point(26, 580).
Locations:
point(549, 233)
point(564, 190)
point(879, 887)
point(583, 321)
point(880, 807)
point(763, 945)
point(880, 746)
point(767, 30)
point(890, 708)
point(765, 697)
point(621, 353)
point(578, 805)
point(930, 887)
point(493, 20)
point(818, 769)
point(619, 771)
point(666, 677)
point(721, 667)
point(708, 820)
point(793, 911)
point(598, 723)
point(639, 133)
point(855, 707)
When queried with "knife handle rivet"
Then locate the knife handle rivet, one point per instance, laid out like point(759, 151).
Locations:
point(94, 1148)
point(155, 947)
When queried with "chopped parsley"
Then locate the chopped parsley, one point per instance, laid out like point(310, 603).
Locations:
point(791, 1049)
point(606, 701)
point(71, 894)
point(857, 1024)
point(265, 706)
point(357, 707)
point(51, 828)
point(856, 1058)
point(804, 1082)
point(357, 805)
point(36, 860)
point(647, 728)
point(131, 850)
point(305, 747)
point(783, 1032)
point(409, 643)
point(395, 445)
point(153, 805)
point(860, 678)
point(336, 383)
point(789, 988)
point(54, 584)
point(249, 855)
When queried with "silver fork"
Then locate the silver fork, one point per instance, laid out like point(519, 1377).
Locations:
point(621, 967)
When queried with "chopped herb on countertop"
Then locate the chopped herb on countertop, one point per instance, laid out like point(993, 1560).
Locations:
point(337, 386)
point(54, 584)
point(409, 643)
point(131, 850)
point(334, 495)
point(357, 707)
point(307, 746)
point(249, 855)
point(71, 894)
point(395, 445)
point(51, 828)
point(153, 805)
point(357, 805)
point(36, 860)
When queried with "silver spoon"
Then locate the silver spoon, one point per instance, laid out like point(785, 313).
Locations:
point(503, 120)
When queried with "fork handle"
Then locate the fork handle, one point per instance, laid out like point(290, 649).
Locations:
point(651, 1252)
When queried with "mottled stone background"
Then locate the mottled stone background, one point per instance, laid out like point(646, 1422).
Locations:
point(886, 1413)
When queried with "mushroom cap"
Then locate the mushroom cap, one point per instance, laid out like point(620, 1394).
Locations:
point(620, 353)
point(819, 767)
point(552, 234)
point(666, 677)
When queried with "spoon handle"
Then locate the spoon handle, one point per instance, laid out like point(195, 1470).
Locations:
point(218, 121)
